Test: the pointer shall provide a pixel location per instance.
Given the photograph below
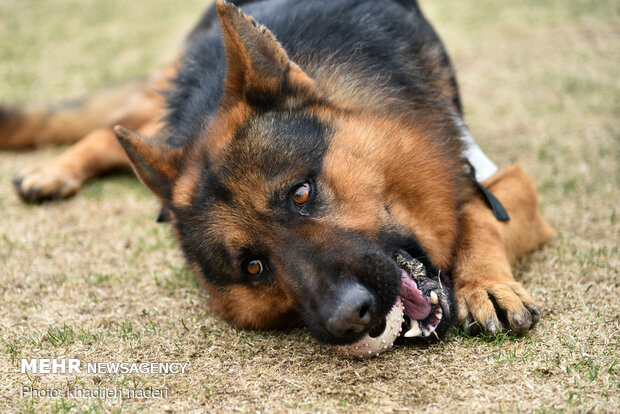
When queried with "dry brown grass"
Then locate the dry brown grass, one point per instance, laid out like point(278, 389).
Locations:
point(96, 278)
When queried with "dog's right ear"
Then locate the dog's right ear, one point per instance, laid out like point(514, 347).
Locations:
point(258, 68)
point(155, 162)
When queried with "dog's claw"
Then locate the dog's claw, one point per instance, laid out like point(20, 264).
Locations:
point(535, 312)
point(468, 326)
point(466, 323)
point(17, 179)
point(491, 327)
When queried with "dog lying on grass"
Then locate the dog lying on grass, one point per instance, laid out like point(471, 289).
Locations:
point(298, 154)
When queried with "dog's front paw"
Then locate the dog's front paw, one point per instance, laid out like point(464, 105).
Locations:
point(492, 306)
point(47, 181)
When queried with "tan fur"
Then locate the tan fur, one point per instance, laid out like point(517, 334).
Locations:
point(254, 307)
point(185, 186)
point(527, 230)
point(223, 127)
point(65, 124)
point(366, 178)
point(98, 151)
point(158, 161)
point(137, 106)
point(487, 247)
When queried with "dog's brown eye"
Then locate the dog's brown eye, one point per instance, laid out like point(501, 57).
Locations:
point(254, 267)
point(301, 194)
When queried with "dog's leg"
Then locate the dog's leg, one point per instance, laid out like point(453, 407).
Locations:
point(132, 105)
point(139, 107)
point(487, 295)
point(66, 123)
point(63, 176)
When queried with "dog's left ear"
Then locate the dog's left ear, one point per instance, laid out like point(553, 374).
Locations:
point(156, 163)
point(257, 66)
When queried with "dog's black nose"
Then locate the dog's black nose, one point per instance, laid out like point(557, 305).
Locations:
point(352, 311)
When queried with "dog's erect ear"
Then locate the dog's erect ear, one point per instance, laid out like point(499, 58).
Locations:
point(257, 67)
point(155, 162)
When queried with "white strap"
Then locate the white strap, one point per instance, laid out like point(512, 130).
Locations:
point(484, 167)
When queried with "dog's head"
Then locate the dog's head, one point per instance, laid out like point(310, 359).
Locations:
point(292, 205)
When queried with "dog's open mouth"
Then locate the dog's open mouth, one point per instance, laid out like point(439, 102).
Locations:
point(424, 298)
point(423, 303)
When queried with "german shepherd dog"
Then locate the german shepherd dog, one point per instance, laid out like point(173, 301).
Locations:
point(297, 153)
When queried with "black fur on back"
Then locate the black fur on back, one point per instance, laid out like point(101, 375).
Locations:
point(385, 43)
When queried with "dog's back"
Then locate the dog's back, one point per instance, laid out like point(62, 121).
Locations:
point(382, 55)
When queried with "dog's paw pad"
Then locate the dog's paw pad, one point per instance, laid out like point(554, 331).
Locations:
point(45, 182)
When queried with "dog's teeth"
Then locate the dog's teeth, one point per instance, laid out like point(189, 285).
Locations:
point(434, 298)
point(439, 315)
point(414, 330)
point(430, 329)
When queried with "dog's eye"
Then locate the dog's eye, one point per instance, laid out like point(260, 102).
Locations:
point(302, 194)
point(254, 267)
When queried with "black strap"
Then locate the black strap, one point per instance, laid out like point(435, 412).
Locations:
point(498, 209)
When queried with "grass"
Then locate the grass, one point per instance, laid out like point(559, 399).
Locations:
point(96, 278)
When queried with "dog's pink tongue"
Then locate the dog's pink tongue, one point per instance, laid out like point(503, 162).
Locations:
point(416, 306)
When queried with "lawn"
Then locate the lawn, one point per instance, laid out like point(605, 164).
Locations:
point(95, 278)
